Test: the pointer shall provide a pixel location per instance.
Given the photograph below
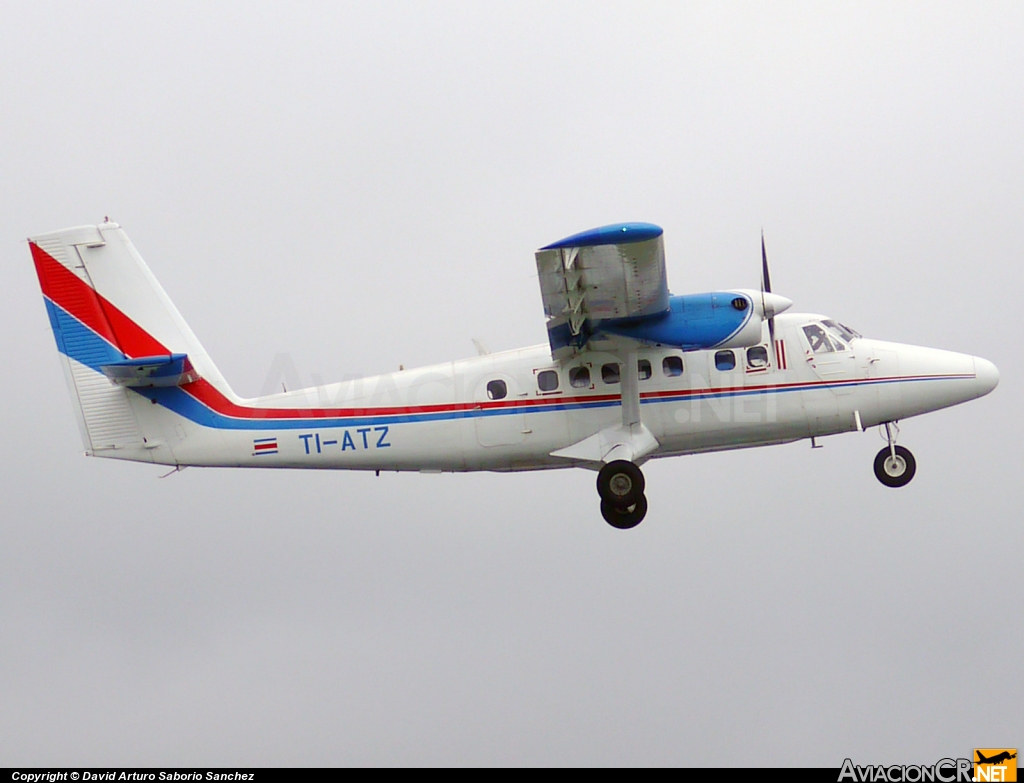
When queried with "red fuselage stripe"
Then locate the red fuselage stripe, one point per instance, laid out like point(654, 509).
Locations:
point(75, 296)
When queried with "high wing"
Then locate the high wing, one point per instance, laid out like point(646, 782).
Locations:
point(612, 272)
point(606, 275)
point(610, 284)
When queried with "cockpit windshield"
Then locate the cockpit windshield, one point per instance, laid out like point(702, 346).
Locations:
point(841, 330)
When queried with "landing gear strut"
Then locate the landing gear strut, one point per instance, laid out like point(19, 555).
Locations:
point(621, 487)
point(894, 465)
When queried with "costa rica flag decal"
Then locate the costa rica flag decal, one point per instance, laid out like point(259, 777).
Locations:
point(262, 446)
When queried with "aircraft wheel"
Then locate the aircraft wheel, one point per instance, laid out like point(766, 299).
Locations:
point(895, 472)
point(620, 483)
point(624, 517)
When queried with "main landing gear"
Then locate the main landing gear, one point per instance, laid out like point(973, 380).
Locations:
point(621, 487)
point(894, 465)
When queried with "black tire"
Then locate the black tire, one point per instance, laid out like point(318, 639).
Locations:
point(624, 518)
point(620, 483)
point(898, 473)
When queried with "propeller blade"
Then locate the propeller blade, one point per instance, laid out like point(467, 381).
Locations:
point(766, 279)
point(766, 288)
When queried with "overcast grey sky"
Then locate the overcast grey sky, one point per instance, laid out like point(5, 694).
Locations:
point(355, 186)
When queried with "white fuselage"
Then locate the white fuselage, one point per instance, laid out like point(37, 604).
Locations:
point(445, 417)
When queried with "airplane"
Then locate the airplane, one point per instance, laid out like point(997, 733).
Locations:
point(999, 758)
point(630, 373)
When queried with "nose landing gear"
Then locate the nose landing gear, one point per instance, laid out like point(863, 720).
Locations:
point(621, 487)
point(895, 466)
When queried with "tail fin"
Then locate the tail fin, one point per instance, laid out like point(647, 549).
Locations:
point(105, 306)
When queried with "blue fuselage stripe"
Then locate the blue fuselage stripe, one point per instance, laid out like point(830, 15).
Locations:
point(85, 346)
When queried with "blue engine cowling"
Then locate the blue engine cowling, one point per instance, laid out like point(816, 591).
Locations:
point(721, 319)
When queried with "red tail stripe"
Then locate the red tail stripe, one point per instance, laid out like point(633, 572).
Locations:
point(67, 290)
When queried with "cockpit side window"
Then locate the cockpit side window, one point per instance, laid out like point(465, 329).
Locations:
point(817, 339)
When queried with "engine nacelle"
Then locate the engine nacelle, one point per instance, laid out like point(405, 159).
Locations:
point(721, 319)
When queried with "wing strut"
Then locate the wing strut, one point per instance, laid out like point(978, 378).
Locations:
point(630, 389)
point(630, 440)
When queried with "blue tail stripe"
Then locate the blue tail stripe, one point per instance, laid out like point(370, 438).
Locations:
point(79, 342)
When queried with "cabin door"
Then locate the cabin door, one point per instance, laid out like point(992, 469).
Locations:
point(829, 405)
point(832, 360)
point(498, 420)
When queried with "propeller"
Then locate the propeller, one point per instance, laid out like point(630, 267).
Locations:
point(766, 288)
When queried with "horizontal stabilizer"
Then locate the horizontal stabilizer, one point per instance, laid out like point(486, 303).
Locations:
point(172, 370)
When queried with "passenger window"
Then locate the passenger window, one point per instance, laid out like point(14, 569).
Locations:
point(643, 368)
point(757, 357)
point(817, 339)
point(725, 360)
point(579, 377)
point(496, 390)
point(547, 380)
point(672, 366)
point(610, 373)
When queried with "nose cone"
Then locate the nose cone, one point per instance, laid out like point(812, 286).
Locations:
point(775, 304)
point(986, 376)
